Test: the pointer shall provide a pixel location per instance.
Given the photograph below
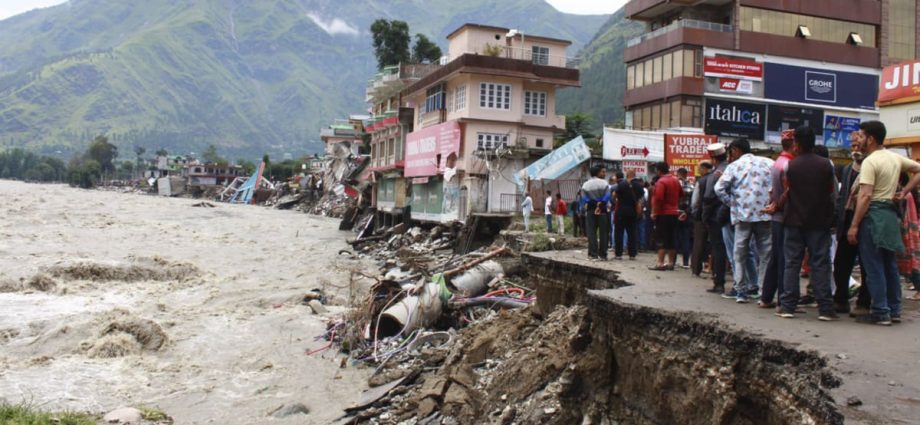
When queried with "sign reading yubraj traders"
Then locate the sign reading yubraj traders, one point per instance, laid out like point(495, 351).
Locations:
point(428, 149)
point(686, 150)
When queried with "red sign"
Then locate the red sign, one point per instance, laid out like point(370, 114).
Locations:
point(628, 151)
point(687, 150)
point(734, 85)
point(733, 68)
point(427, 149)
point(898, 82)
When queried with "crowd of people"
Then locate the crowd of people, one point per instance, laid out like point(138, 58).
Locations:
point(764, 224)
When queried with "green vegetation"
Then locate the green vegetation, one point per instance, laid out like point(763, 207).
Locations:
point(603, 74)
point(391, 42)
point(154, 415)
point(23, 165)
point(23, 414)
point(425, 51)
point(246, 76)
point(579, 124)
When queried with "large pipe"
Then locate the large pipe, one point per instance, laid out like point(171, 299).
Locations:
point(412, 312)
point(475, 281)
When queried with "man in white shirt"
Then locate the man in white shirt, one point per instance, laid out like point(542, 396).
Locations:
point(548, 211)
point(526, 210)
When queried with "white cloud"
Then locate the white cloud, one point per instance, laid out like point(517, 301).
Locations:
point(15, 7)
point(587, 7)
point(333, 26)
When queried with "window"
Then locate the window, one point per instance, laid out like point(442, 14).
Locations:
point(675, 114)
point(902, 29)
point(667, 68)
point(434, 99)
point(630, 77)
point(535, 103)
point(656, 117)
point(490, 141)
point(648, 73)
point(679, 64)
point(495, 96)
point(460, 98)
point(665, 115)
point(639, 73)
point(540, 55)
point(831, 30)
point(539, 143)
point(656, 70)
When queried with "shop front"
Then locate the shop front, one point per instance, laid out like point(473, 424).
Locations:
point(431, 167)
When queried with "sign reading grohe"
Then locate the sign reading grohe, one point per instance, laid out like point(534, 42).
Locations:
point(427, 150)
point(687, 150)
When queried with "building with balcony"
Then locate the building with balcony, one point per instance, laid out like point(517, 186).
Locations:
point(343, 137)
point(487, 113)
point(755, 67)
point(387, 127)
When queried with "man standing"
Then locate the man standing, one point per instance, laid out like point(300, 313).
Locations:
point(526, 210)
point(845, 258)
point(700, 239)
point(773, 281)
point(876, 226)
point(561, 212)
point(597, 219)
point(578, 215)
point(628, 196)
point(684, 224)
point(745, 186)
point(713, 220)
point(809, 215)
point(665, 200)
point(548, 211)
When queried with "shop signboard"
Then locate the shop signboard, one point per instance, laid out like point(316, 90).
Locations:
point(687, 150)
point(739, 69)
point(837, 130)
point(820, 86)
point(556, 163)
point(638, 166)
point(428, 149)
point(900, 82)
point(734, 119)
point(780, 118)
point(620, 145)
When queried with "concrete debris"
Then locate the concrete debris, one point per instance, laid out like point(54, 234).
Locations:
point(290, 410)
point(124, 416)
point(317, 307)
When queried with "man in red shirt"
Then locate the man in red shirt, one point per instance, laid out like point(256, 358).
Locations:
point(665, 212)
point(561, 211)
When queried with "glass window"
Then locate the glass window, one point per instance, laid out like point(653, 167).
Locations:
point(675, 114)
point(656, 117)
point(540, 55)
point(637, 119)
point(646, 118)
point(490, 141)
point(639, 74)
point(648, 73)
point(824, 29)
point(535, 103)
point(667, 68)
point(679, 63)
point(630, 77)
point(656, 70)
point(902, 28)
point(688, 63)
point(495, 96)
point(666, 115)
point(460, 98)
point(434, 98)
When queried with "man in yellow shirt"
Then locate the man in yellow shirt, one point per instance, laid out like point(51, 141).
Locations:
point(876, 226)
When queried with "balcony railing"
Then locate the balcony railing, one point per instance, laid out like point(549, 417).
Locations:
point(683, 23)
point(523, 53)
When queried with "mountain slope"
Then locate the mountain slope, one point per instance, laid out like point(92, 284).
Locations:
point(603, 74)
point(249, 76)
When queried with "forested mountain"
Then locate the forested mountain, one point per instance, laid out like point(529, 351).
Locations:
point(603, 74)
point(249, 76)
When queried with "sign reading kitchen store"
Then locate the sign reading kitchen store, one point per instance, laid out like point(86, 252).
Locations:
point(734, 119)
point(733, 76)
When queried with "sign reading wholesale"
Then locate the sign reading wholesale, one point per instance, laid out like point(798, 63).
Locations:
point(734, 119)
point(427, 149)
point(686, 150)
point(900, 82)
point(781, 118)
point(820, 86)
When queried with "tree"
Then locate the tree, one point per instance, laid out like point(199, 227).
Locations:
point(103, 152)
point(577, 124)
point(162, 152)
point(247, 165)
point(211, 156)
point(391, 42)
point(425, 51)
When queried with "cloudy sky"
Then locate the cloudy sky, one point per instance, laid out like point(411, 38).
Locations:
point(14, 7)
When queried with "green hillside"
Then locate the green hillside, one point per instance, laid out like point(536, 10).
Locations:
point(249, 76)
point(603, 74)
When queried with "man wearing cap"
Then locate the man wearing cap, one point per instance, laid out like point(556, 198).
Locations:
point(745, 186)
point(711, 205)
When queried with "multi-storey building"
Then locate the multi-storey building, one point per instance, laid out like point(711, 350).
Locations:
point(343, 137)
point(387, 127)
point(480, 118)
point(755, 67)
